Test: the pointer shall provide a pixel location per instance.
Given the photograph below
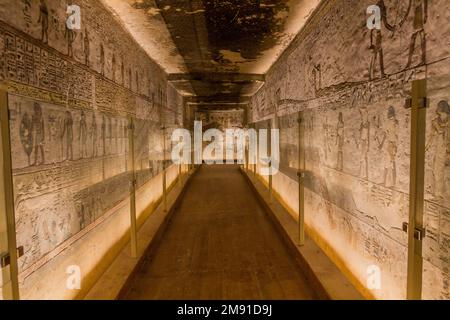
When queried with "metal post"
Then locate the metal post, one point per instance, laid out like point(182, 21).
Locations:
point(301, 176)
point(9, 197)
point(270, 183)
point(133, 227)
point(192, 165)
point(247, 160)
point(415, 227)
point(269, 163)
point(257, 155)
point(164, 170)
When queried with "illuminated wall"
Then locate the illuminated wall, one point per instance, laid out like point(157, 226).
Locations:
point(352, 93)
point(73, 95)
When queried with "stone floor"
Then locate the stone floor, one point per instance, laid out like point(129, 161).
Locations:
point(219, 245)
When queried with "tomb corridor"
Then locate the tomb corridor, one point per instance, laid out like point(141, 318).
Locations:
point(123, 176)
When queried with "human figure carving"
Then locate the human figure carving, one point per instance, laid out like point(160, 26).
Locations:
point(37, 128)
point(114, 67)
point(122, 73)
point(376, 43)
point(43, 19)
point(130, 80)
point(317, 77)
point(137, 82)
point(82, 135)
point(86, 48)
point(364, 143)
point(340, 142)
point(70, 36)
point(438, 146)
point(94, 136)
point(68, 133)
point(420, 19)
point(26, 136)
point(387, 141)
point(104, 135)
point(102, 60)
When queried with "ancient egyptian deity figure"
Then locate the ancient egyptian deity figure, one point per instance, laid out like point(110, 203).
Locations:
point(82, 135)
point(438, 146)
point(68, 133)
point(113, 68)
point(70, 36)
point(364, 143)
point(104, 135)
point(102, 60)
point(38, 132)
point(376, 43)
point(317, 77)
point(389, 146)
point(86, 48)
point(340, 142)
point(43, 19)
point(420, 19)
point(26, 136)
point(94, 136)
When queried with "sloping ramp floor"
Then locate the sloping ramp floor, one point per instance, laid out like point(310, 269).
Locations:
point(219, 245)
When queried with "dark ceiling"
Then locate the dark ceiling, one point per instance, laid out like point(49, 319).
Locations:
point(217, 36)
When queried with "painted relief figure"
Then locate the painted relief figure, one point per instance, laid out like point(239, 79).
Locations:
point(377, 53)
point(104, 135)
point(387, 141)
point(86, 48)
point(94, 136)
point(102, 60)
point(82, 135)
point(438, 146)
point(38, 132)
point(67, 132)
point(327, 137)
point(114, 67)
point(122, 73)
point(420, 19)
point(376, 43)
point(26, 136)
point(43, 19)
point(70, 36)
point(364, 143)
point(130, 80)
point(110, 136)
point(137, 82)
point(340, 139)
point(317, 77)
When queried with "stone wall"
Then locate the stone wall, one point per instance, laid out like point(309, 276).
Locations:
point(351, 92)
point(73, 96)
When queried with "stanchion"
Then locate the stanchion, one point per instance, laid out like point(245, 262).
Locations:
point(133, 225)
point(8, 259)
point(270, 183)
point(415, 228)
point(164, 170)
point(301, 176)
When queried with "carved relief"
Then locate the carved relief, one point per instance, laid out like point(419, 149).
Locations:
point(86, 48)
point(68, 125)
point(420, 18)
point(102, 60)
point(38, 134)
point(376, 43)
point(340, 140)
point(43, 19)
point(387, 142)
